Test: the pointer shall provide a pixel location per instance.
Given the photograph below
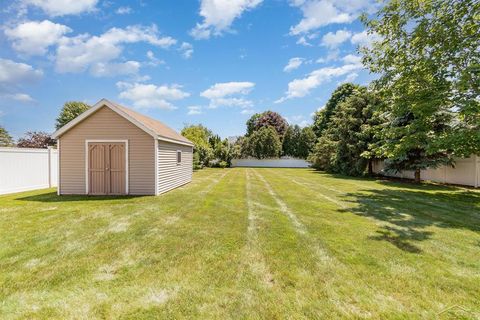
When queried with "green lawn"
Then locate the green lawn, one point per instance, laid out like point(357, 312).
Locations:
point(245, 243)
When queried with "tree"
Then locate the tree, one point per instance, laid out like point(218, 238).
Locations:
point(252, 123)
point(321, 118)
point(307, 142)
point(353, 130)
point(298, 142)
point(291, 141)
point(70, 111)
point(36, 139)
point(6, 139)
point(264, 143)
point(265, 119)
point(428, 59)
point(345, 145)
point(200, 136)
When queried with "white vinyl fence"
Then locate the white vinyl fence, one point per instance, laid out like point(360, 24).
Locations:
point(466, 172)
point(23, 169)
point(271, 163)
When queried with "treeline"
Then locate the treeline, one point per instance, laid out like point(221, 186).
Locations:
point(268, 136)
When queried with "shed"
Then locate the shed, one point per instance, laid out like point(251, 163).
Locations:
point(113, 150)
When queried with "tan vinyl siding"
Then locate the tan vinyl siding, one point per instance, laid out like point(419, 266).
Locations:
point(170, 174)
point(106, 124)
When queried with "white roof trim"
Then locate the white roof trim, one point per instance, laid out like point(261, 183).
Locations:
point(105, 102)
point(174, 141)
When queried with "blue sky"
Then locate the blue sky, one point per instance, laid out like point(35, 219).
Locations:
point(213, 62)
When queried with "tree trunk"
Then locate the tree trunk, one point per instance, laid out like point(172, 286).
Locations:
point(417, 175)
point(370, 167)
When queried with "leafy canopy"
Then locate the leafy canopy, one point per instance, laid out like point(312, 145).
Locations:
point(70, 111)
point(345, 143)
point(6, 139)
point(264, 143)
point(265, 119)
point(298, 142)
point(428, 59)
point(322, 117)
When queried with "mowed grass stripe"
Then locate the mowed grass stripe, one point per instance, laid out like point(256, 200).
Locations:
point(335, 276)
point(374, 261)
point(206, 251)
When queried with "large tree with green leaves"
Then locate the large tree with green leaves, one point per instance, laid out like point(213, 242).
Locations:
point(266, 119)
point(6, 139)
point(200, 136)
point(264, 143)
point(322, 117)
point(298, 142)
point(70, 111)
point(428, 58)
point(345, 144)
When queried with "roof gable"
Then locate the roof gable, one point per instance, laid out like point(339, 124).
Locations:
point(151, 126)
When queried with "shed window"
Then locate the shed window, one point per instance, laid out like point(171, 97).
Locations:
point(179, 156)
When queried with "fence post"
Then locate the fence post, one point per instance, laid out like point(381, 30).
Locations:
point(49, 153)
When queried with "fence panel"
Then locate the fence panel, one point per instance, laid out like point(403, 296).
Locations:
point(466, 172)
point(23, 169)
point(271, 163)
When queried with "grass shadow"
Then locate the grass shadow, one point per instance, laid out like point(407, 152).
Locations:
point(408, 212)
point(53, 197)
point(398, 182)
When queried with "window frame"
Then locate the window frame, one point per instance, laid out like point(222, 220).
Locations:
point(179, 157)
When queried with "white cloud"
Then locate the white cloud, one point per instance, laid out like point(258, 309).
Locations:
point(63, 7)
point(14, 75)
point(150, 95)
point(349, 78)
point(318, 13)
point(218, 16)
point(364, 38)
point(194, 110)
point(20, 97)
point(247, 111)
point(333, 40)
point(186, 49)
point(83, 52)
point(331, 56)
point(299, 120)
point(293, 63)
point(124, 10)
point(34, 37)
point(153, 61)
point(351, 58)
point(114, 69)
point(226, 94)
point(221, 90)
point(301, 87)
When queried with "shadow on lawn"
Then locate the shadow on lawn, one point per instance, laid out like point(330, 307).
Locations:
point(410, 210)
point(53, 197)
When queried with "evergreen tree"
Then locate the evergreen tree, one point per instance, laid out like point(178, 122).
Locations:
point(70, 111)
point(321, 119)
point(6, 139)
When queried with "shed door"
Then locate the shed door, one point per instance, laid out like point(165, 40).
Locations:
point(106, 168)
